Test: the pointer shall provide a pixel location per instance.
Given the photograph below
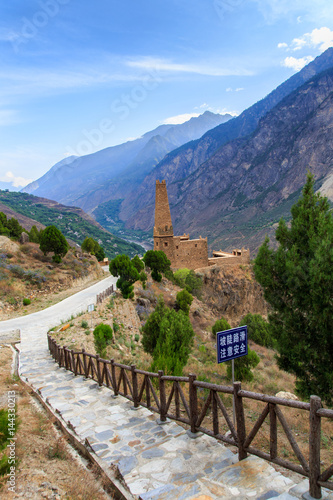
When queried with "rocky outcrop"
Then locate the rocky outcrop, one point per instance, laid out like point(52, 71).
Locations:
point(232, 292)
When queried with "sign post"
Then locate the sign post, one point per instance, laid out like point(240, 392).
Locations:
point(91, 308)
point(231, 344)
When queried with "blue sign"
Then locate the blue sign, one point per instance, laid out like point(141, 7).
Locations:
point(231, 344)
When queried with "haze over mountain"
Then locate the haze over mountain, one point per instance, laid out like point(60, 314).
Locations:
point(236, 181)
point(112, 173)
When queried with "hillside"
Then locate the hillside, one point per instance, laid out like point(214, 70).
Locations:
point(26, 273)
point(75, 224)
point(115, 172)
point(240, 193)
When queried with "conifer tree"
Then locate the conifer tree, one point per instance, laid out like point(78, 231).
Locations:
point(297, 279)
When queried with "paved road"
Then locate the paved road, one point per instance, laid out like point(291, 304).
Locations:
point(31, 325)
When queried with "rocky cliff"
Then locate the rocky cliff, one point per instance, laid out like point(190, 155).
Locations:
point(232, 293)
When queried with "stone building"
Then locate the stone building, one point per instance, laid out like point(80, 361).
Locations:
point(181, 250)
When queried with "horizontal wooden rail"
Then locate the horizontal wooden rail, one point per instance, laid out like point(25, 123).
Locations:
point(181, 399)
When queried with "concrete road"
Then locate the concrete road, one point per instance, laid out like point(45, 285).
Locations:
point(35, 324)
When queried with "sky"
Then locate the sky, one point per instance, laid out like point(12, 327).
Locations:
point(80, 76)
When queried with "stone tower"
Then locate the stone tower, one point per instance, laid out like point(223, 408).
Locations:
point(163, 230)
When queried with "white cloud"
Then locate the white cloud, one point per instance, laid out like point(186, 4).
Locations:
point(319, 38)
point(296, 64)
point(177, 120)
point(229, 89)
point(149, 63)
point(16, 181)
point(322, 37)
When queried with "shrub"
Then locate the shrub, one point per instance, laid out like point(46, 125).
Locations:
point(243, 366)
point(84, 323)
point(183, 301)
point(258, 330)
point(158, 262)
point(156, 276)
point(138, 263)
point(219, 326)
point(168, 337)
point(102, 337)
point(52, 240)
point(193, 283)
point(26, 302)
point(180, 276)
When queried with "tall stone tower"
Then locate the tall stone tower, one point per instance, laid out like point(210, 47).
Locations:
point(163, 230)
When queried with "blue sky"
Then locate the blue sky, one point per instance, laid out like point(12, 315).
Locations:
point(79, 76)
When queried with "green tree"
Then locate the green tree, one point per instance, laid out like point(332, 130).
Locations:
point(158, 262)
point(102, 337)
point(183, 301)
point(138, 263)
point(34, 235)
point(123, 267)
point(258, 330)
point(297, 279)
point(88, 245)
point(92, 246)
point(168, 336)
point(52, 240)
point(193, 283)
point(220, 326)
point(15, 229)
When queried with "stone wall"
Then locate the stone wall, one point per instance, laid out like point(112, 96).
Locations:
point(190, 253)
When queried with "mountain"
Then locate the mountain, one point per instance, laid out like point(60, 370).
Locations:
point(76, 225)
point(242, 190)
point(184, 161)
point(114, 172)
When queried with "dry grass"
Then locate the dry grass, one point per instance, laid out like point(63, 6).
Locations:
point(46, 465)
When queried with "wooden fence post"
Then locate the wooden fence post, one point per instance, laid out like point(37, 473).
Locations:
point(65, 357)
point(84, 362)
point(99, 378)
point(135, 386)
point(193, 395)
point(114, 378)
point(273, 431)
point(314, 447)
point(240, 420)
point(162, 396)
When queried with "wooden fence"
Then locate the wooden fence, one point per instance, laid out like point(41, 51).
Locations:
point(176, 398)
point(103, 295)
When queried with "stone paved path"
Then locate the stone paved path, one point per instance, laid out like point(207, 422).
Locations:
point(157, 462)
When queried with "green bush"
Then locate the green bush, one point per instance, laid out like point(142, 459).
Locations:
point(180, 276)
point(183, 301)
point(219, 326)
point(26, 302)
point(193, 283)
point(243, 366)
point(102, 337)
point(168, 336)
point(156, 276)
point(84, 324)
point(258, 330)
